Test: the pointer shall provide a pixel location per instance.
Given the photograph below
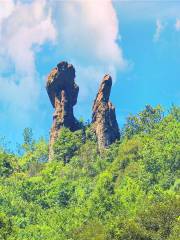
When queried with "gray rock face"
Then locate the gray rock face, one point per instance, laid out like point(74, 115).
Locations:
point(104, 120)
point(63, 93)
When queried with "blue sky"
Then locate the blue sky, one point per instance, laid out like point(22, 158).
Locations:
point(137, 42)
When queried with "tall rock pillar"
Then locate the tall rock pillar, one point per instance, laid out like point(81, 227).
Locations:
point(63, 93)
point(104, 120)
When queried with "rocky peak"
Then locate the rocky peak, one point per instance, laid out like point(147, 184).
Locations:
point(63, 93)
point(62, 78)
point(104, 120)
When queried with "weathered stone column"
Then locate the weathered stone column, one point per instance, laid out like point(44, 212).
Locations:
point(104, 120)
point(63, 93)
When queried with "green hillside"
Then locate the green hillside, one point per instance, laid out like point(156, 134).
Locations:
point(129, 191)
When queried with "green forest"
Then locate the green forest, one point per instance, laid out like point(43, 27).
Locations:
point(129, 191)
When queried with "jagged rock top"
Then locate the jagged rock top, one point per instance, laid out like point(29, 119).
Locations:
point(104, 89)
point(103, 93)
point(62, 78)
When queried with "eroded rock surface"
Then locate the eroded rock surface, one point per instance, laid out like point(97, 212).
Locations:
point(104, 120)
point(63, 93)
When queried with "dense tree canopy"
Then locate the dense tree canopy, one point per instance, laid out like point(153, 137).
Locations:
point(129, 191)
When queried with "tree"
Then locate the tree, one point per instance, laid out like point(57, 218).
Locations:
point(28, 139)
point(175, 112)
point(6, 228)
point(92, 230)
point(8, 164)
point(67, 144)
point(145, 121)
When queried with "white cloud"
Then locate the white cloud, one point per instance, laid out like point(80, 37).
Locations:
point(177, 25)
point(159, 28)
point(23, 29)
point(6, 8)
point(88, 32)
point(28, 25)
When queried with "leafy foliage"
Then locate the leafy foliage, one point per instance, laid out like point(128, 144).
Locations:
point(144, 121)
point(129, 191)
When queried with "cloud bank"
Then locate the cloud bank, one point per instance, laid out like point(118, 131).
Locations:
point(87, 34)
point(24, 28)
